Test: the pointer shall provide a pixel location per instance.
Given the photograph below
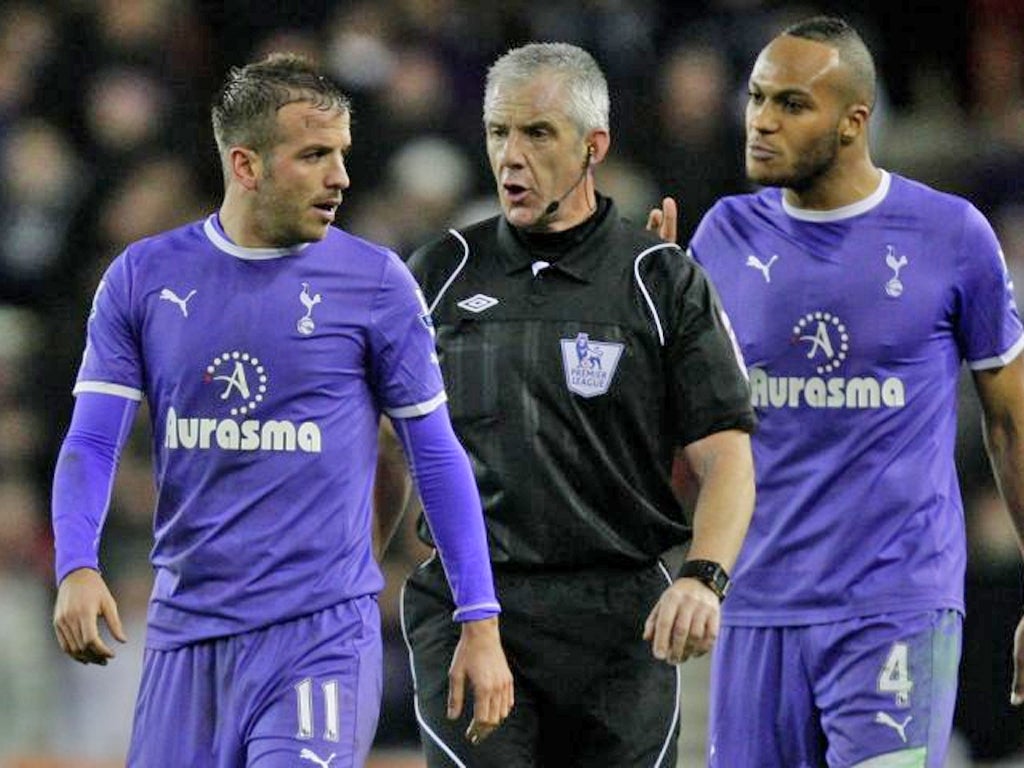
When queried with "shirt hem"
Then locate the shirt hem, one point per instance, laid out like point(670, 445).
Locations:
point(811, 616)
point(224, 629)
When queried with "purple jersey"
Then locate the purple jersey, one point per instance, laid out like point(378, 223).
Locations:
point(265, 371)
point(853, 324)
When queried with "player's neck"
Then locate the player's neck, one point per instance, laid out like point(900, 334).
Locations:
point(843, 185)
point(238, 220)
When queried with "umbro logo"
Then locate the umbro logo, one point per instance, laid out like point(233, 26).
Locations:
point(477, 303)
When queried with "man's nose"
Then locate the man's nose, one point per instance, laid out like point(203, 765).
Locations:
point(337, 177)
point(761, 118)
point(512, 151)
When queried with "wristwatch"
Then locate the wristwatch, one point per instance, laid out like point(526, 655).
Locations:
point(708, 572)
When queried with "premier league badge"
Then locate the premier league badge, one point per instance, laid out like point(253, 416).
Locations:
point(589, 365)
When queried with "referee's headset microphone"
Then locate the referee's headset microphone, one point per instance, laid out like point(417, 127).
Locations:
point(552, 207)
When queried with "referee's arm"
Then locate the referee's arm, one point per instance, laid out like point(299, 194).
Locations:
point(685, 620)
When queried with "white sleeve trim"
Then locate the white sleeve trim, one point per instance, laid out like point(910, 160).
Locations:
point(999, 360)
point(458, 269)
point(104, 388)
point(418, 409)
point(478, 607)
point(643, 288)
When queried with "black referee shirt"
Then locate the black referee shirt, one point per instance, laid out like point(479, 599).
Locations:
point(572, 377)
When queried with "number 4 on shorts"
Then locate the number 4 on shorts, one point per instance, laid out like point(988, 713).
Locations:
point(894, 677)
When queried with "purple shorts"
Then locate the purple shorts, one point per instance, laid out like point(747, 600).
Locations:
point(304, 692)
point(877, 691)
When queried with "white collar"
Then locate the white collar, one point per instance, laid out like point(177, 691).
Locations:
point(249, 254)
point(847, 211)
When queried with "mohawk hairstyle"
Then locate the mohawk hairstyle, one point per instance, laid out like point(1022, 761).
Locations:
point(853, 52)
point(245, 109)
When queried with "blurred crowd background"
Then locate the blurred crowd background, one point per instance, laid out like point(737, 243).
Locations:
point(105, 138)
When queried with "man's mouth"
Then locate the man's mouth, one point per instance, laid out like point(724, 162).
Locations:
point(760, 151)
point(328, 208)
point(515, 193)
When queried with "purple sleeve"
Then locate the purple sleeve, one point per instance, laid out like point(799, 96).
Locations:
point(405, 373)
point(451, 504)
point(84, 477)
point(111, 363)
point(988, 329)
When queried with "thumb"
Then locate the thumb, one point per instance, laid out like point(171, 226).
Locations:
point(113, 619)
point(649, 624)
point(456, 695)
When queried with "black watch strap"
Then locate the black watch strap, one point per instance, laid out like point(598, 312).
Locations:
point(709, 573)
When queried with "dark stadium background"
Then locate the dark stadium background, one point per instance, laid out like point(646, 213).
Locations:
point(105, 137)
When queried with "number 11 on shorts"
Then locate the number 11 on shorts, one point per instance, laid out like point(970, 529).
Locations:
point(304, 690)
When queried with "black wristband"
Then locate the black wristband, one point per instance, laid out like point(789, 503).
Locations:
point(709, 573)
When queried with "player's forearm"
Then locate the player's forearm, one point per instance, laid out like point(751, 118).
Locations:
point(451, 504)
point(1004, 439)
point(1001, 391)
point(725, 502)
point(84, 476)
point(391, 490)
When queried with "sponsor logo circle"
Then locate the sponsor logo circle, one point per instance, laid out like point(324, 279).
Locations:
point(827, 336)
point(244, 377)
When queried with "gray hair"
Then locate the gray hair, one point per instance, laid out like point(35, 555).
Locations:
point(245, 110)
point(586, 89)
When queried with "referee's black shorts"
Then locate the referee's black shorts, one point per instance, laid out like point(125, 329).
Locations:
point(588, 692)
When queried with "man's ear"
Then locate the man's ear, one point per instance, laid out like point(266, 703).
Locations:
point(854, 123)
point(597, 142)
point(246, 166)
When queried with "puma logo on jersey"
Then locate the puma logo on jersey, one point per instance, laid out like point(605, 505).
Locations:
point(883, 718)
point(764, 269)
point(168, 295)
point(313, 757)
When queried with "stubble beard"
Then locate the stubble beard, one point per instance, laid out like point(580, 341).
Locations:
point(281, 221)
point(810, 165)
